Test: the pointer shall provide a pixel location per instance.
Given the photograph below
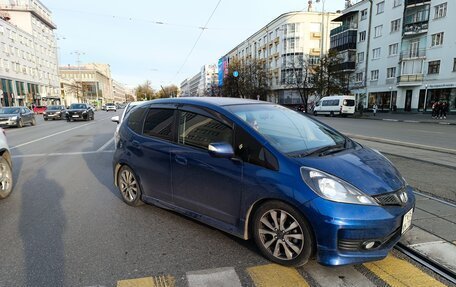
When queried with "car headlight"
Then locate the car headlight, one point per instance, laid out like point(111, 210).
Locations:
point(13, 118)
point(333, 188)
point(57, 113)
point(84, 112)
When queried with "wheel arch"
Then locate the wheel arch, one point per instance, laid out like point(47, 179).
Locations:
point(6, 154)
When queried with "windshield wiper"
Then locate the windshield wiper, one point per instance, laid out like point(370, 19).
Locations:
point(327, 150)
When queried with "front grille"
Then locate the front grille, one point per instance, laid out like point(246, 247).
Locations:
point(392, 198)
point(3, 120)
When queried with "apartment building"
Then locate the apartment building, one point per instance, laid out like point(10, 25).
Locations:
point(202, 84)
point(94, 82)
point(28, 54)
point(402, 53)
point(289, 36)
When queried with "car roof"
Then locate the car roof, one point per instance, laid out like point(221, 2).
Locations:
point(208, 101)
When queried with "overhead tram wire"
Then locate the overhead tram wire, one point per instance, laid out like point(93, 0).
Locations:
point(197, 39)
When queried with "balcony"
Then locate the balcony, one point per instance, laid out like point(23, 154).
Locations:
point(344, 67)
point(410, 80)
point(412, 54)
point(415, 29)
point(345, 27)
point(409, 3)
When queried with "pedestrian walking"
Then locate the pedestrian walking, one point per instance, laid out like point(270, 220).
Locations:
point(439, 110)
point(434, 110)
point(374, 109)
point(443, 110)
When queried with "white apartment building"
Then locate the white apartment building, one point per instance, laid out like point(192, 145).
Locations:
point(120, 93)
point(28, 54)
point(291, 35)
point(204, 83)
point(403, 52)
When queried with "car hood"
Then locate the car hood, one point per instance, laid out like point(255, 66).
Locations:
point(76, 110)
point(363, 168)
point(3, 116)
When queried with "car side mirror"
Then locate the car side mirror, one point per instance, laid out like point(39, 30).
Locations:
point(221, 150)
point(115, 119)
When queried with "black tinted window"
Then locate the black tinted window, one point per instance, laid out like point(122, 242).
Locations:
point(199, 131)
point(349, 103)
point(135, 119)
point(251, 151)
point(159, 123)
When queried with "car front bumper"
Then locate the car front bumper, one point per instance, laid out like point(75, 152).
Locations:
point(342, 230)
point(8, 123)
point(52, 116)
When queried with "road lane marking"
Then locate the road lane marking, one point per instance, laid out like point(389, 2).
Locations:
point(60, 154)
point(106, 144)
point(225, 277)
point(400, 273)
point(156, 281)
point(273, 275)
point(338, 277)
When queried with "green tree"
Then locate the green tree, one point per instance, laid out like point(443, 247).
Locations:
point(145, 91)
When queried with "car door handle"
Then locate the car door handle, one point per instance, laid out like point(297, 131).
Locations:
point(136, 144)
point(181, 160)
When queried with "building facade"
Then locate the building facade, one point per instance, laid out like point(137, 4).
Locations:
point(289, 36)
point(205, 83)
point(403, 55)
point(120, 93)
point(94, 82)
point(28, 54)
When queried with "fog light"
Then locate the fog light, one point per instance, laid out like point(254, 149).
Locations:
point(369, 244)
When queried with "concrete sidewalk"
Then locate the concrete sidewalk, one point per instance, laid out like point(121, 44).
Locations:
point(408, 117)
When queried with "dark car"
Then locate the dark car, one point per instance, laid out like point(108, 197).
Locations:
point(55, 112)
point(16, 117)
point(78, 112)
point(259, 170)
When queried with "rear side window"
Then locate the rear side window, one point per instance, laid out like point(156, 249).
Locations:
point(349, 103)
point(136, 119)
point(199, 131)
point(159, 123)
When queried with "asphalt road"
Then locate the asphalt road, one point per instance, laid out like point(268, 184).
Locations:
point(65, 224)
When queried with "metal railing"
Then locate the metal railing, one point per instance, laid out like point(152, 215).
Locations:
point(411, 54)
point(410, 78)
point(340, 29)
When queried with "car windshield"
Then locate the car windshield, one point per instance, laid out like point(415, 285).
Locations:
point(110, 104)
point(9, 111)
point(290, 132)
point(78, 106)
point(51, 108)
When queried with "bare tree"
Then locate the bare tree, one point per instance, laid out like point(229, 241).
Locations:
point(327, 79)
point(167, 92)
point(145, 91)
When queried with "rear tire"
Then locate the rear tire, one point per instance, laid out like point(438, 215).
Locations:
point(6, 178)
point(129, 187)
point(315, 113)
point(331, 114)
point(282, 234)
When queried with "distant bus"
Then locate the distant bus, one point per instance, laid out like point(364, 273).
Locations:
point(335, 105)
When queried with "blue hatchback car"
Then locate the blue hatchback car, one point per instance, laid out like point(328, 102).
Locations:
point(258, 170)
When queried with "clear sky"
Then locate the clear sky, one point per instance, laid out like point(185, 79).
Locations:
point(150, 40)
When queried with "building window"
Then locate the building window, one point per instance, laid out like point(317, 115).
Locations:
point(391, 72)
point(364, 14)
point(378, 31)
point(360, 57)
point(395, 25)
point(380, 7)
point(393, 48)
point(374, 75)
point(440, 10)
point(397, 3)
point(376, 53)
point(454, 65)
point(362, 36)
point(434, 67)
point(437, 39)
point(359, 77)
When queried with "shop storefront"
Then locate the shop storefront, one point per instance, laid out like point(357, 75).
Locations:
point(436, 94)
point(384, 100)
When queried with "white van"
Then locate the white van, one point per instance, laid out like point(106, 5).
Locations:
point(335, 105)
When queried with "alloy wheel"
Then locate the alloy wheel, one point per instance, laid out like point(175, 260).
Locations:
point(281, 234)
point(128, 185)
point(6, 178)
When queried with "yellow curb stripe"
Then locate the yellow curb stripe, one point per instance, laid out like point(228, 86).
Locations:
point(156, 281)
point(400, 273)
point(273, 275)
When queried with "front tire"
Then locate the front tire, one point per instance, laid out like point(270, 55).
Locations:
point(6, 178)
point(282, 234)
point(129, 186)
point(20, 124)
point(33, 122)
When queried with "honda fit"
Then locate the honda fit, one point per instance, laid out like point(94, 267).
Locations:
point(261, 171)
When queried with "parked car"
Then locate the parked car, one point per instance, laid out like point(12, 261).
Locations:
point(111, 107)
point(55, 112)
point(259, 170)
point(6, 167)
point(16, 117)
point(81, 111)
point(335, 105)
point(39, 109)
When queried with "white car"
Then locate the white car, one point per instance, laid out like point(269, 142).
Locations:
point(111, 107)
point(6, 170)
point(120, 119)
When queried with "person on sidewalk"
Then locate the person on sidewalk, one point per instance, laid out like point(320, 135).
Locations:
point(443, 110)
point(434, 110)
point(374, 109)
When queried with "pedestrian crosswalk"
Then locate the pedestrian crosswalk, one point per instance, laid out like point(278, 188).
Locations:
point(391, 271)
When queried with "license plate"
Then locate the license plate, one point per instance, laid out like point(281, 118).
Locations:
point(75, 116)
point(407, 220)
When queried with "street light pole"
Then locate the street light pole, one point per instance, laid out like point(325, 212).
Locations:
point(425, 98)
point(391, 98)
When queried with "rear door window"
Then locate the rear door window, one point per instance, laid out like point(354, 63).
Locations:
point(136, 119)
point(349, 103)
point(159, 123)
point(199, 131)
